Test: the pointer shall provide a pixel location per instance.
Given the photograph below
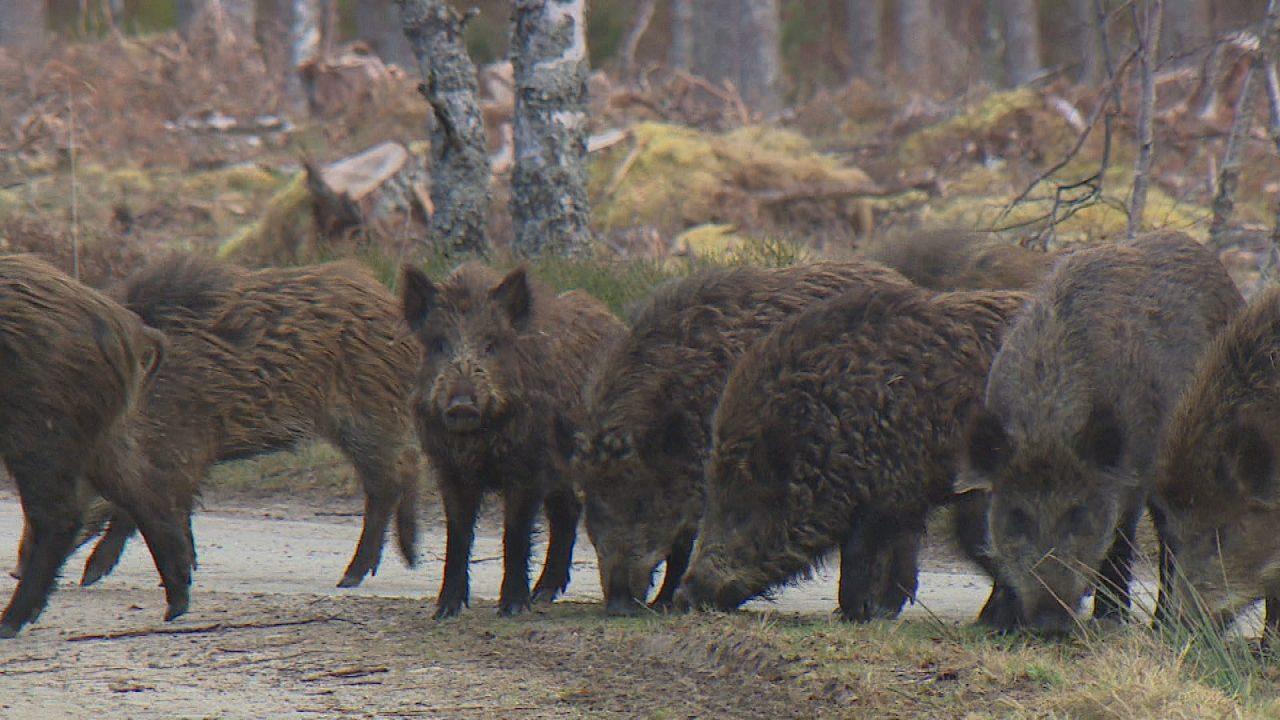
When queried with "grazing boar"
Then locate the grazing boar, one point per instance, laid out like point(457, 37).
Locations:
point(640, 456)
point(260, 361)
point(498, 400)
point(1216, 472)
point(841, 429)
point(72, 367)
point(1074, 404)
point(945, 260)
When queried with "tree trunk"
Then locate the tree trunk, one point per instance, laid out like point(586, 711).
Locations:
point(459, 160)
point(549, 208)
point(23, 24)
point(1021, 41)
point(1187, 28)
point(230, 16)
point(1148, 52)
point(915, 35)
point(681, 54)
point(864, 37)
point(378, 24)
point(1088, 42)
point(737, 41)
point(289, 32)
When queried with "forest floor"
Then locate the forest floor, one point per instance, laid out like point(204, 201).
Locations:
point(269, 635)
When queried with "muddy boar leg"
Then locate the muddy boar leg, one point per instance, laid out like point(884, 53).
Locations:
point(48, 506)
point(1163, 615)
point(520, 511)
point(677, 563)
point(902, 580)
point(407, 513)
point(24, 550)
point(859, 555)
point(563, 510)
point(106, 554)
point(461, 504)
point(1111, 596)
point(381, 494)
point(1271, 621)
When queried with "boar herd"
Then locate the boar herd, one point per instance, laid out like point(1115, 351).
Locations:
point(740, 427)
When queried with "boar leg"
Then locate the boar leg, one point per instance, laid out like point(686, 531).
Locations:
point(24, 550)
point(867, 569)
point(563, 509)
point(677, 563)
point(1111, 597)
point(407, 512)
point(377, 473)
point(461, 505)
point(903, 575)
point(50, 512)
point(106, 554)
point(1271, 622)
point(520, 512)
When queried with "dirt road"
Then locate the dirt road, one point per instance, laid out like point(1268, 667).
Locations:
point(269, 635)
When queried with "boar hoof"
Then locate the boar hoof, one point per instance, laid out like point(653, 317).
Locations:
point(513, 608)
point(447, 610)
point(544, 596)
point(176, 609)
point(350, 581)
point(8, 631)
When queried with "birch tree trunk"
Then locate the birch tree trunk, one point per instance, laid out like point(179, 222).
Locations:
point(915, 33)
point(549, 207)
point(459, 160)
point(738, 41)
point(864, 37)
point(23, 23)
point(289, 32)
point(681, 54)
point(1148, 55)
point(1021, 41)
point(1088, 41)
point(378, 24)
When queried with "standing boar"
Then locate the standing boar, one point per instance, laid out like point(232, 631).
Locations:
point(499, 397)
point(72, 366)
point(841, 429)
point(1073, 407)
point(1216, 480)
point(946, 260)
point(649, 412)
point(260, 361)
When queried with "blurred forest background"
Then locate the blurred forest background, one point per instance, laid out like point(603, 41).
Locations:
point(234, 126)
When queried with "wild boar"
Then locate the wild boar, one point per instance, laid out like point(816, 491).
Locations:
point(946, 260)
point(498, 400)
point(1216, 473)
point(1073, 407)
point(641, 453)
point(72, 367)
point(260, 361)
point(841, 429)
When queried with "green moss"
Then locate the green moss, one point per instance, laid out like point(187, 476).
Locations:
point(280, 237)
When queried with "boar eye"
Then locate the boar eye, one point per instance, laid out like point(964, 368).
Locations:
point(439, 346)
point(487, 348)
point(1077, 517)
point(1018, 523)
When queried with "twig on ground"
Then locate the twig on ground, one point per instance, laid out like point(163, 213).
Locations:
point(200, 629)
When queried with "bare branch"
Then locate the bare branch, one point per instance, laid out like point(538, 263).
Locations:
point(631, 41)
point(1229, 172)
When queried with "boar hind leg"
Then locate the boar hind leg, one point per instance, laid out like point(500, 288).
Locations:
point(563, 509)
point(47, 504)
point(461, 505)
point(106, 554)
point(519, 512)
point(677, 563)
point(379, 474)
point(1111, 597)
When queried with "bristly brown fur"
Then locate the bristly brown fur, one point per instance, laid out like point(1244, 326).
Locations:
point(651, 403)
point(72, 367)
point(260, 361)
point(840, 429)
point(498, 399)
point(946, 260)
point(1074, 404)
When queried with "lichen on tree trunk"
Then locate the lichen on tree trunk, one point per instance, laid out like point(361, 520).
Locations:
point(549, 205)
point(459, 161)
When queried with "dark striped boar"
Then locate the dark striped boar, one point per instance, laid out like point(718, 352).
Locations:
point(72, 367)
point(642, 450)
point(261, 361)
point(841, 429)
point(1074, 405)
point(498, 400)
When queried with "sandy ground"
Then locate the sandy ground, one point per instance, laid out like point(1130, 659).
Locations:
point(269, 635)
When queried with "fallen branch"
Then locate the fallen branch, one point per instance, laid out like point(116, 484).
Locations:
point(346, 673)
point(199, 629)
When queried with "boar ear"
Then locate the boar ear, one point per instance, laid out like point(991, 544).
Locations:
point(1101, 441)
point(1255, 464)
point(987, 443)
point(417, 296)
point(513, 296)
